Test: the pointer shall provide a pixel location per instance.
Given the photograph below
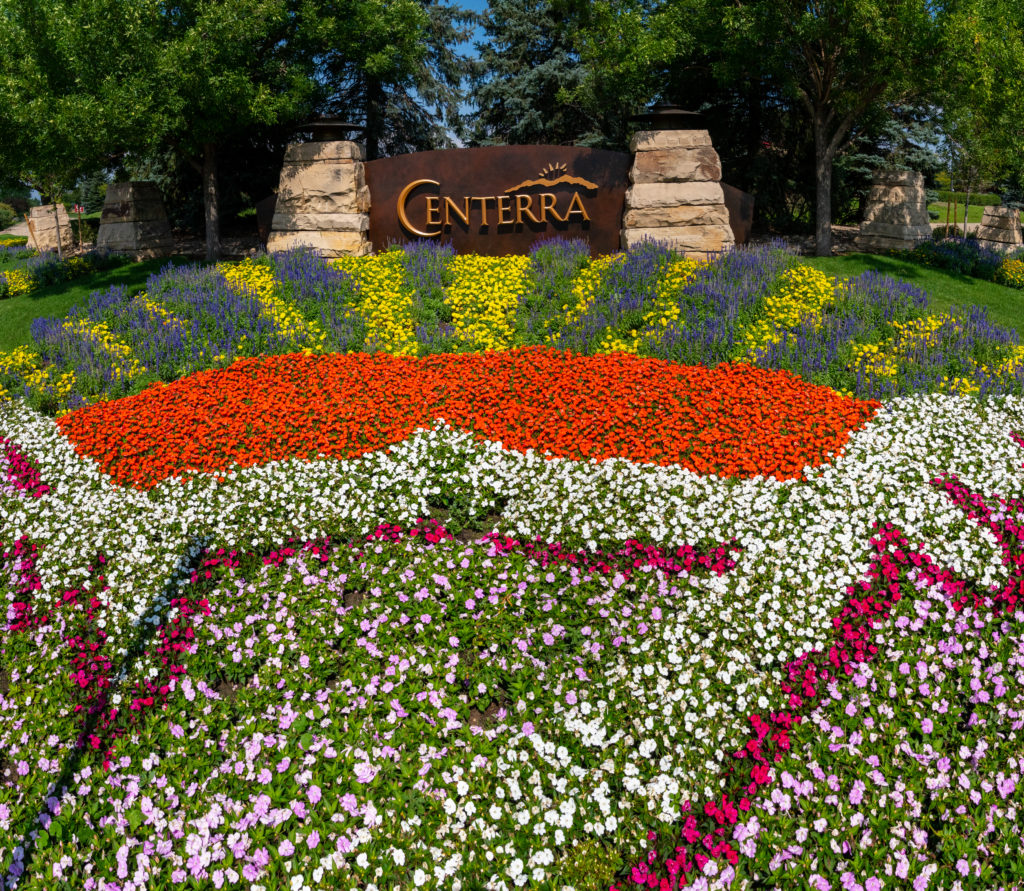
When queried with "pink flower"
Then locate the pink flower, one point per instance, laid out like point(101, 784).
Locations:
point(286, 848)
point(314, 794)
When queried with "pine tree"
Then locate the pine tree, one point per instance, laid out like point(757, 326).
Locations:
point(529, 68)
point(408, 97)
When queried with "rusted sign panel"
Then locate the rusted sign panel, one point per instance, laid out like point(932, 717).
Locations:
point(499, 199)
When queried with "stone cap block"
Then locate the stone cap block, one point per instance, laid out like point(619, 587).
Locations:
point(654, 140)
point(339, 150)
point(43, 215)
point(678, 215)
point(333, 222)
point(909, 178)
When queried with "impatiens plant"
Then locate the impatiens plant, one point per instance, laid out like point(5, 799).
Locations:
point(510, 619)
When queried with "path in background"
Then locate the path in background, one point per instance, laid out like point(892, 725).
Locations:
point(20, 229)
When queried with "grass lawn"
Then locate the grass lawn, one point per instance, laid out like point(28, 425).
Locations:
point(945, 289)
point(974, 213)
point(17, 313)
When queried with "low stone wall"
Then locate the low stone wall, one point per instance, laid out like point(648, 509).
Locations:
point(134, 221)
point(1000, 229)
point(43, 228)
point(675, 194)
point(897, 213)
point(322, 200)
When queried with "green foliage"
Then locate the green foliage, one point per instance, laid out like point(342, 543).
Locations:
point(984, 199)
point(528, 72)
point(8, 217)
point(395, 66)
point(92, 188)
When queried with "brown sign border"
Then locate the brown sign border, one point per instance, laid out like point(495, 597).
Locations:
point(481, 181)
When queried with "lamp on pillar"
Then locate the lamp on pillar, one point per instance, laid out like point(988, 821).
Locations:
point(666, 116)
point(327, 129)
point(322, 201)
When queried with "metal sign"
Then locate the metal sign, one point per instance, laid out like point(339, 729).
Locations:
point(499, 199)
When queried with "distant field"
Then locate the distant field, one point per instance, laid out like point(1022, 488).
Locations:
point(974, 213)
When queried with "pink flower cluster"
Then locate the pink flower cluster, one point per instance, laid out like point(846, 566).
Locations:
point(90, 667)
point(632, 555)
point(20, 472)
point(706, 830)
point(20, 561)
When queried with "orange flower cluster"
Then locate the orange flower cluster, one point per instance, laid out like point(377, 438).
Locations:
point(732, 420)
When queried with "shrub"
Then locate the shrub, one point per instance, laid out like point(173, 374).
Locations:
point(961, 255)
point(8, 216)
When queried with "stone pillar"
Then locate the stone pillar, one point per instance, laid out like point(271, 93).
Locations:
point(134, 221)
point(43, 224)
point(897, 213)
point(1000, 229)
point(323, 201)
point(675, 194)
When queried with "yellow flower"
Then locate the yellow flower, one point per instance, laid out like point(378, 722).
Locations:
point(663, 312)
point(385, 300)
point(1011, 273)
point(803, 293)
point(484, 297)
point(259, 281)
point(123, 363)
point(18, 282)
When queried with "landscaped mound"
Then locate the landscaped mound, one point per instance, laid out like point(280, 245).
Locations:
point(733, 420)
point(870, 336)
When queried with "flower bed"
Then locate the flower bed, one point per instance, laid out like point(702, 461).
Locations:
point(871, 336)
point(285, 678)
point(519, 619)
point(45, 269)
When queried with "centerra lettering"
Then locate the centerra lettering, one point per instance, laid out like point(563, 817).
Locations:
point(440, 212)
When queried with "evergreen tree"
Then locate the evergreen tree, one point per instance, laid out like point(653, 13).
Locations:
point(405, 87)
point(529, 69)
point(92, 188)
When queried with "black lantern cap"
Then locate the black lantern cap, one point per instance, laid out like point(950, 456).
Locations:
point(665, 116)
point(325, 129)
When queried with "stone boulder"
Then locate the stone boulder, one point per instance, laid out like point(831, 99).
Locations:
point(675, 194)
point(42, 224)
point(134, 221)
point(896, 214)
point(1000, 229)
point(323, 201)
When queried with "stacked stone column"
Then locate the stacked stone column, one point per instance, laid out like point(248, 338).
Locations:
point(43, 224)
point(675, 194)
point(134, 221)
point(323, 201)
point(1000, 229)
point(897, 213)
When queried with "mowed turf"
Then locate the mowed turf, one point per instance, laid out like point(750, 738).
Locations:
point(945, 289)
point(17, 313)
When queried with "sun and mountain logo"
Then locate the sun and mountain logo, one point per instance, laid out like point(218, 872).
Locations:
point(554, 175)
point(428, 215)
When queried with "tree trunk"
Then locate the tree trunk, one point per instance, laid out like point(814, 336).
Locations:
point(210, 201)
point(823, 176)
point(374, 117)
point(56, 219)
point(967, 205)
